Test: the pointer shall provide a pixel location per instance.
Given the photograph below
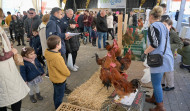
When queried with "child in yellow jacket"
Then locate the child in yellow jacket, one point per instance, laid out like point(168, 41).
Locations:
point(58, 71)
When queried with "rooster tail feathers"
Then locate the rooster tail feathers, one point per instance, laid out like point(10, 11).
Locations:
point(135, 83)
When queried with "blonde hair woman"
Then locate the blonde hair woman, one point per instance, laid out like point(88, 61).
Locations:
point(42, 31)
point(159, 40)
point(12, 87)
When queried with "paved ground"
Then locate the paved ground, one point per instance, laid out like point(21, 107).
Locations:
point(177, 100)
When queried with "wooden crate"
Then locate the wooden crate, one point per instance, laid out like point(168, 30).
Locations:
point(70, 107)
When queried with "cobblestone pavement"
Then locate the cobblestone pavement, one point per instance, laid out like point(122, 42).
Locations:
point(176, 100)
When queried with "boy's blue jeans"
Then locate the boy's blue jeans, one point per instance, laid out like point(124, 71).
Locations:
point(100, 35)
point(156, 79)
point(89, 30)
point(59, 90)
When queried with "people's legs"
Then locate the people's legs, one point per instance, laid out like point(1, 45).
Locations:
point(22, 39)
point(11, 33)
point(74, 55)
point(156, 79)
point(16, 106)
point(31, 92)
point(164, 79)
point(108, 34)
point(90, 31)
point(59, 90)
point(99, 39)
point(85, 29)
point(112, 33)
point(104, 39)
point(170, 79)
point(17, 38)
point(3, 108)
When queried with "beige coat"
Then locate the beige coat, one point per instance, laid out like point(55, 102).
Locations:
point(12, 86)
point(42, 34)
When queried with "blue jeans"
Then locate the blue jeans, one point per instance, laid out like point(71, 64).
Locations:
point(59, 90)
point(100, 35)
point(156, 79)
point(89, 30)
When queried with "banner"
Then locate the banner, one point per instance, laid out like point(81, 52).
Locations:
point(111, 3)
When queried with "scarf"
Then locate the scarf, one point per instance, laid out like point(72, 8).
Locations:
point(32, 60)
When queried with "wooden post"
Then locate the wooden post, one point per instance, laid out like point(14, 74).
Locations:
point(119, 32)
point(125, 23)
point(180, 18)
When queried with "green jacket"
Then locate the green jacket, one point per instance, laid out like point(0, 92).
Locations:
point(185, 53)
point(175, 41)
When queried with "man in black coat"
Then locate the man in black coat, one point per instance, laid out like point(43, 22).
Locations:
point(102, 28)
point(18, 27)
point(80, 22)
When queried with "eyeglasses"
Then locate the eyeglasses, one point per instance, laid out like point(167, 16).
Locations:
point(31, 13)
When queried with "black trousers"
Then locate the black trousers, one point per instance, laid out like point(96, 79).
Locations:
point(111, 32)
point(19, 37)
point(14, 107)
point(11, 33)
point(94, 41)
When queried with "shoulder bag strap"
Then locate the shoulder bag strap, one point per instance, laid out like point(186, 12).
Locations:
point(166, 42)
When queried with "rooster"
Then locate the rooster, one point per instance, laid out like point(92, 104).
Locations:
point(125, 88)
point(126, 60)
point(128, 38)
point(140, 23)
point(109, 72)
point(114, 47)
point(99, 61)
point(138, 36)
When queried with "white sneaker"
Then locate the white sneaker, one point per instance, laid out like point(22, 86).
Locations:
point(75, 66)
point(74, 69)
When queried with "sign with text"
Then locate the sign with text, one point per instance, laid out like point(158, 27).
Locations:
point(111, 3)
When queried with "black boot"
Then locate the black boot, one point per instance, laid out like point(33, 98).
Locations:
point(39, 97)
point(67, 91)
point(32, 99)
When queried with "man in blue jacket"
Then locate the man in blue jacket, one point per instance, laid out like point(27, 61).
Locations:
point(54, 27)
point(65, 20)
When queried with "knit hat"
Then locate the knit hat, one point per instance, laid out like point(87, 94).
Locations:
point(72, 21)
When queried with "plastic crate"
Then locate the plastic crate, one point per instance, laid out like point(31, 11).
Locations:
point(71, 107)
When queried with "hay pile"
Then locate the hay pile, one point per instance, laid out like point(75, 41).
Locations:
point(92, 94)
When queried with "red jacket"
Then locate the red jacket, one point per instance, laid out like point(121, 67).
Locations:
point(76, 19)
point(89, 22)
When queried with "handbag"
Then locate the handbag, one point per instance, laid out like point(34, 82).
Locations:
point(156, 60)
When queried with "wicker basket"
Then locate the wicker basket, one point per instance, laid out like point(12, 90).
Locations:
point(70, 107)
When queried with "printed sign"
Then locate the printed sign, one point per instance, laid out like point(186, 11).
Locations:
point(111, 3)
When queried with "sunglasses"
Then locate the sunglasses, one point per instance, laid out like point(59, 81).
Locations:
point(31, 13)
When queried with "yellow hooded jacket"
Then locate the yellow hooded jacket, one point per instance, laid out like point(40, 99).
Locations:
point(58, 71)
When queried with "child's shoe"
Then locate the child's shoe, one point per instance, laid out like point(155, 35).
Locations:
point(39, 97)
point(74, 69)
point(32, 99)
point(76, 66)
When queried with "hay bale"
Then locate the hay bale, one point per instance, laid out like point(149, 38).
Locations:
point(91, 94)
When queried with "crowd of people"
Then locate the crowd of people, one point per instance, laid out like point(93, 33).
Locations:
point(50, 44)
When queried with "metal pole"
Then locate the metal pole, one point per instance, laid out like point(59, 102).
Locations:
point(181, 12)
